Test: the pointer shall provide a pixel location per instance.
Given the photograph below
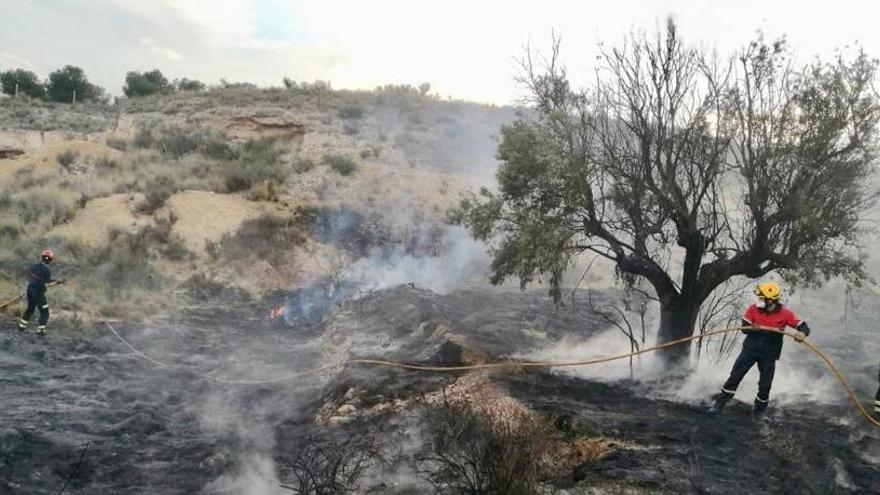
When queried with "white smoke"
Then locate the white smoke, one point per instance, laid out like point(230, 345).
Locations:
point(460, 261)
point(247, 416)
point(255, 477)
point(800, 377)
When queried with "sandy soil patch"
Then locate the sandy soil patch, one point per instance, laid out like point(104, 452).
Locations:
point(204, 216)
point(92, 224)
point(45, 159)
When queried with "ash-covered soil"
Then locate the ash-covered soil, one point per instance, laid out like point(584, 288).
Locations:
point(183, 428)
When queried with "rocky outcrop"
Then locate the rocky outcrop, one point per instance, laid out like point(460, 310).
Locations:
point(7, 152)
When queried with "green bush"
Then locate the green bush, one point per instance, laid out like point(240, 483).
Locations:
point(106, 164)
point(169, 244)
point(265, 237)
point(146, 83)
point(23, 81)
point(238, 179)
point(343, 165)
point(180, 141)
point(67, 157)
point(189, 85)
point(177, 142)
point(303, 165)
point(157, 190)
point(258, 160)
point(116, 143)
point(125, 260)
point(143, 138)
point(351, 112)
point(11, 231)
point(68, 81)
point(39, 207)
point(216, 146)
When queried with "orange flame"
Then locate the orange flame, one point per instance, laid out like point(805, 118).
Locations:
point(276, 312)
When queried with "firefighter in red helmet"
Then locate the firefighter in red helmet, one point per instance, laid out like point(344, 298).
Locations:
point(39, 275)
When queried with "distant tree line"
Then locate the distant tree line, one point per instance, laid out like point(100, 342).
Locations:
point(66, 84)
point(70, 84)
point(154, 82)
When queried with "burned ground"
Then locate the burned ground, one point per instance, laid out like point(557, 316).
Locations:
point(184, 428)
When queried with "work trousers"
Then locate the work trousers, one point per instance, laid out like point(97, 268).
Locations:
point(877, 397)
point(748, 358)
point(36, 299)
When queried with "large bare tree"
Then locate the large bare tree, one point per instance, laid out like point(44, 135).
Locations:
point(727, 167)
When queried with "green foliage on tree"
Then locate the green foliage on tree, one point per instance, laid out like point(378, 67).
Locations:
point(23, 81)
point(684, 170)
point(64, 82)
point(146, 83)
point(189, 85)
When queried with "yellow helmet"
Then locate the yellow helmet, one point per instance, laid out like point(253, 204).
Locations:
point(769, 291)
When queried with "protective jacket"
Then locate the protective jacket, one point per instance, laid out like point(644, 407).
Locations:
point(39, 275)
point(764, 344)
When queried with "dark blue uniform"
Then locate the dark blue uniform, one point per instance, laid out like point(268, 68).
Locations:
point(39, 275)
point(877, 398)
point(760, 348)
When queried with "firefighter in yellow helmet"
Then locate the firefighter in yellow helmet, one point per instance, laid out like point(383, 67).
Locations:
point(877, 399)
point(761, 347)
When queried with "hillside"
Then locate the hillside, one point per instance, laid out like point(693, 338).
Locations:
point(230, 250)
point(140, 197)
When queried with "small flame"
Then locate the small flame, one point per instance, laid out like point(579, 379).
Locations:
point(276, 312)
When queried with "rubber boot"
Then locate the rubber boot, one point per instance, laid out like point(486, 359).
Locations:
point(759, 408)
point(721, 401)
point(877, 407)
point(41, 330)
point(22, 325)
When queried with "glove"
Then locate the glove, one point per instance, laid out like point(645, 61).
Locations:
point(800, 336)
point(804, 328)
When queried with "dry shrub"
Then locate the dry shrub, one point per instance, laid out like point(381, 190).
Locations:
point(342, 164)
point(263, 191)
point(157, 190)
point(477, 449)
point(567, 455)
point(67, 157)
point(117, 143)
point(265, 237)
point(327, 467)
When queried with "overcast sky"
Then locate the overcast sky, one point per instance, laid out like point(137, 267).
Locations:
point(465, 49)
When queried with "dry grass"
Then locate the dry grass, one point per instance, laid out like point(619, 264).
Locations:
point(473, 407)
point(215, 141)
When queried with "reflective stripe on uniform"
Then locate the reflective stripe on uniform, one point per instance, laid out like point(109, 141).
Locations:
point(761, 400)
point(731, 392)
point(46, 306)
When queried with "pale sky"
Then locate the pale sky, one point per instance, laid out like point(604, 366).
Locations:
point(465, 49)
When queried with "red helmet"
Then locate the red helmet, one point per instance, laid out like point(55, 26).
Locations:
point(47, 255)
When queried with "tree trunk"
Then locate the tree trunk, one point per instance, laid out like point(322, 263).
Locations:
point(678, 316)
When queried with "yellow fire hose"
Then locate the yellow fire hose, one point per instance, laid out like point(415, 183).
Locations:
point(528, 364)
point(11, 300)
point(558, 364)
